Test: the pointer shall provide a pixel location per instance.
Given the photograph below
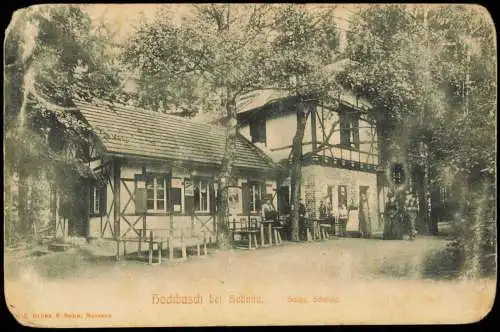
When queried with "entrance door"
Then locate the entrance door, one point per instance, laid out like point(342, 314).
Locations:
point(364, 211)
point(284, 200)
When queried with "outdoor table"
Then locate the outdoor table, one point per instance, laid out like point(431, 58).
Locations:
point(269, 231)
point(315, 229)
point(324, 230)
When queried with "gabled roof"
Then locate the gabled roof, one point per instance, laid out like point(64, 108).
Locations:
point(137, 132)
point(260, 98)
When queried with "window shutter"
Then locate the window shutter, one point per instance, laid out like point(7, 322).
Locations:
point(355, 130)
point(188, 196)
point(344, 129)
point(342, 196)
point(140, 194)
point(258, 200)
point(245, 198)
point(330, 192)
point(213, 201)
point(102, 200)
point(263, 193)
point(91, 198)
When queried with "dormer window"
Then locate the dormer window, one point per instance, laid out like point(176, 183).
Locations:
point(258, 131)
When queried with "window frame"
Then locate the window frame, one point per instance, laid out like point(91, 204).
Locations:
point(254, 186)
point(258, 126)
point(96, 203)
point(155, 199)
point(349, 132)
point(197, 184)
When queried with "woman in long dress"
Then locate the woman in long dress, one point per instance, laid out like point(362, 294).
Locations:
point(391, 211)
point(364, 217)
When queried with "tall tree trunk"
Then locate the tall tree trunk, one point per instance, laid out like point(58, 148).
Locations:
point(223, 236)
point(9, 205)
point(22, 205)
point(296, 175)
point(423, 226)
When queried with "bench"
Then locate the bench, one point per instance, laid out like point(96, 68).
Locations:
point(277, 234)
point(246, 230)
point(157, 241)
point(324, 230)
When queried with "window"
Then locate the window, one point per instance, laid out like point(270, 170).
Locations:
point(201, 196)
point(255, 197)
point(97, 200)
point(156, 193)
point(398, 174)
point(258, 131)
point(349, 130)
point(96, 208)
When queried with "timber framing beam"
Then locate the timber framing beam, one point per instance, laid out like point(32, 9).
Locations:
point(116, 197)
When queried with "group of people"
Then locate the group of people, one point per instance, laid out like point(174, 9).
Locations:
point(401, 214)
point(269, 213)
point(326, 213)
point(400, 217)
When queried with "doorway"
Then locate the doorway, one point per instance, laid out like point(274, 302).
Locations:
point(365, 224)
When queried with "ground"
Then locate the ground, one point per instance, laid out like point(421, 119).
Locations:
point(337, 281)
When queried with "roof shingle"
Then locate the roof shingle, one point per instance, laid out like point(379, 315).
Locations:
point(134, 131)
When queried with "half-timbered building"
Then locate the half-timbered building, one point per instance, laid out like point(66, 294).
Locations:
point(157, 171)
point(340, 151)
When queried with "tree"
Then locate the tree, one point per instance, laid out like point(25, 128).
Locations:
point(53, 53)
point(305, 44)
point(207, 60)
point(417, 65)
point(218, 53)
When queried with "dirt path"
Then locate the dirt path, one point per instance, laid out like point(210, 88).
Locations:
point(336, 281)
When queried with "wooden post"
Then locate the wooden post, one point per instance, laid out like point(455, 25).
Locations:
point(313, 129)
point(160, 247)
point(117, 250)
point(270, 233)
point(116, 196)
point(262, 234)
point(87, 189)
point(151, 247)
point(192, 224)
point(204, 243)
point(125, 249)
point(139, 248)
point(170, 247)
point(183, 247)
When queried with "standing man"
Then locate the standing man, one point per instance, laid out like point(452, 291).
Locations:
point(302, 220)
point(322, 210)
point(267, 210)
point(390, 217)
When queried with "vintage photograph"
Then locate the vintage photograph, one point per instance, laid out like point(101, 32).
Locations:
point(249, 164)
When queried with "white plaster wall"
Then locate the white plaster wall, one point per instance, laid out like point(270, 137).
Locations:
point(280, 131)
point(245, 131)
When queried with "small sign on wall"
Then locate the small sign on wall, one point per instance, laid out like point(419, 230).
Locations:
point(188, 188)
point(177, 183)
point(270, 189)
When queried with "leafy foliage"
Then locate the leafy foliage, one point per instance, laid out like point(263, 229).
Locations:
point(431, 71)
point(53, 54)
